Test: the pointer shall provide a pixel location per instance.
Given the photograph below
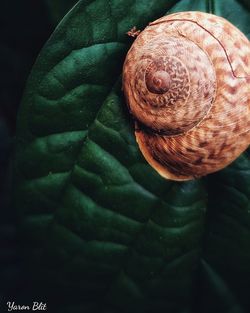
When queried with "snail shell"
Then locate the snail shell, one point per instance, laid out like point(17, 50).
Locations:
point(186, 81)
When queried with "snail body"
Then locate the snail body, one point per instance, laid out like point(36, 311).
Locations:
point(186, 81)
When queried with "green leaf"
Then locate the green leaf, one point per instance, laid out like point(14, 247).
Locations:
point(227, 239)
point(101, 230)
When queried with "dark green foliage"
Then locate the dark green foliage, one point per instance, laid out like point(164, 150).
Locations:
point(58, 8)
point(101, 230)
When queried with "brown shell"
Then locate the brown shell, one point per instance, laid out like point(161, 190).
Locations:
point(186, 81)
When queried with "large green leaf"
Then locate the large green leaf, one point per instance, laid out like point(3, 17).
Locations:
point(101, 230)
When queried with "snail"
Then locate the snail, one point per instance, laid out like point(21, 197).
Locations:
point(186, 80)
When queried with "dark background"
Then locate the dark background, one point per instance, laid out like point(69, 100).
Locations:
point(24, 28)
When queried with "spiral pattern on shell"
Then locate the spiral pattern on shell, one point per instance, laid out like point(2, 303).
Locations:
point(186, 81)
